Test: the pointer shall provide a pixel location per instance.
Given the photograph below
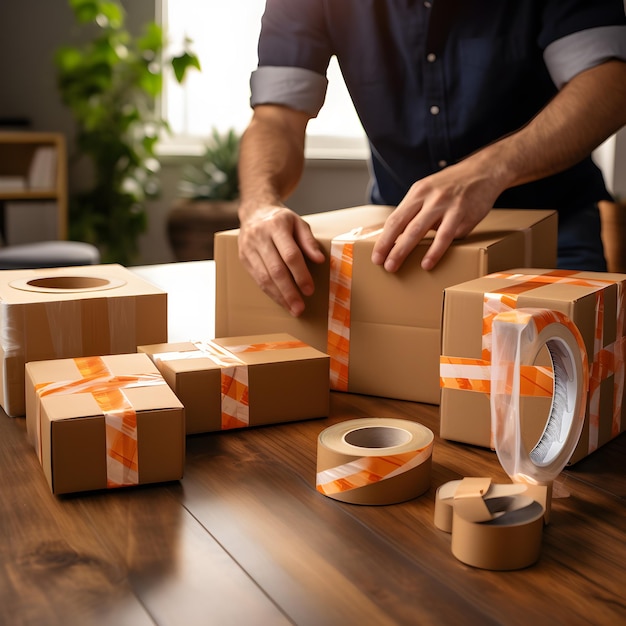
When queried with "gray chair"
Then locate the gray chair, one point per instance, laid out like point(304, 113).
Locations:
point(48, 254)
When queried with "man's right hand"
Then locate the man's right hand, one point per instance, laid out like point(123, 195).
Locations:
point(274, 245)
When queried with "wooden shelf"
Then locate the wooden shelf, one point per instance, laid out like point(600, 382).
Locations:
point(18, 151)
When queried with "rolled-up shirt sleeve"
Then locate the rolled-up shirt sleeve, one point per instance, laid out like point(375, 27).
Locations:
point(570, 55)
point(294, 52)
point(296, 87)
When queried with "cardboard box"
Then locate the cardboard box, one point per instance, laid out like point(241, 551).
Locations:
point(70, 312)
point(73, 419)
point(466, 414)
point(395, 318)
point(282, 380)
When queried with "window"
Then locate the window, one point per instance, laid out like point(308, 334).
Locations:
point(224, 35)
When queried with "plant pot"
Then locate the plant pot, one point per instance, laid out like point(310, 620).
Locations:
point(192, 224)
point(613, 216)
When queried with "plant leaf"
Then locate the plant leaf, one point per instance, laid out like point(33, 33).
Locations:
point(182, 63)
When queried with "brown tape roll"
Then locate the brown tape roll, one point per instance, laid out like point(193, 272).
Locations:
point(374, 460)
point(495, 527)
point(511, 540)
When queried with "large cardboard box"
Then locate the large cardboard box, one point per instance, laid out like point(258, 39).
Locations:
point(594, 301)
point(395, 319)
point(99, 422)
point(70, 312)
point(280, 379)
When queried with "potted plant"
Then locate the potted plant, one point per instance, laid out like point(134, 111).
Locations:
point(110, 85)
point(208, 193)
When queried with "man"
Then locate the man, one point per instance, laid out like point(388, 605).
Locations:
point(466, 105)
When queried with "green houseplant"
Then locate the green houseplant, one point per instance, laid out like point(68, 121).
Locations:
point(110, 84)
point(208, 193)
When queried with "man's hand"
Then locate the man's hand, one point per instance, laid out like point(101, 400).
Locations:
point(274, 243)
point(454, 200)
point(451, 202)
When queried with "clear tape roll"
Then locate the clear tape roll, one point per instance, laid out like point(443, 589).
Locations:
point(518, 337)
point(374, 460)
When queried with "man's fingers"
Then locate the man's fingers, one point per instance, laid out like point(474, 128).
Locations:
point(273, 250)
point(395, 224)
point(289, 269)
point(310, 246)
point(442, 241)
point(264, 263)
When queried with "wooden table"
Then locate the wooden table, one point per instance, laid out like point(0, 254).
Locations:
point(245, 539)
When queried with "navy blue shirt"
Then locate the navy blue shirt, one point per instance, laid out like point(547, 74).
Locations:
point(433, 82)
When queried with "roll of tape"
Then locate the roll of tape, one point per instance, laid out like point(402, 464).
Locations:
point(374, 460)
point(496, 527)
point(518, 336)
point(448, 492)
point(510, 540)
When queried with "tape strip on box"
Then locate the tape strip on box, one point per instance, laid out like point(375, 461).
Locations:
point(472, 374)
point(234, 373)
point(119, 414)
point(339, 302)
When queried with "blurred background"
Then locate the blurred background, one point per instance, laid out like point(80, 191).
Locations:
point(223, 35)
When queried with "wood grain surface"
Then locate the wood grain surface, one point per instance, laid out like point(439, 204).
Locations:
point(245, 539)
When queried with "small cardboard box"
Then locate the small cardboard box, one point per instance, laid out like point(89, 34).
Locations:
point(73, 409)
point(69, 312)
point(281, 379)
point(395, 319)
point(583, 297)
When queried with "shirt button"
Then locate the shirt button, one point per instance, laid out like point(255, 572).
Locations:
point(431, 57)
point(442, 163)
point(434, 110)
point(428, 4)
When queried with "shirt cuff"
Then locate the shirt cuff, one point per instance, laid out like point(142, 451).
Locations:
point(583, 50)
point(295, 87)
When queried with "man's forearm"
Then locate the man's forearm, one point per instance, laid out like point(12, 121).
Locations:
point(271, 158)
point(588, 110)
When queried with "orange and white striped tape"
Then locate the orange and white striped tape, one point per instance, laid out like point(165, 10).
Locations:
point(234, 373)
point(339, 302)
point(120, 416)
point(607, 360)
point(374, 460)
point(469, 374)
point(368, 470)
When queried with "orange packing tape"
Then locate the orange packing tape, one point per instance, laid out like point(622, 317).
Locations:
point(339, 302)
point(268, 345)
point(607, 360)
point(470, 374)
point(234, 384)
point(365, 471)
point(374, 460)
point(234, 373)
point(120, 416)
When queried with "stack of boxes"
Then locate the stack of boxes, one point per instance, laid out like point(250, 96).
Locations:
point(84, 356)
point(84, 352)
point(392, 340)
